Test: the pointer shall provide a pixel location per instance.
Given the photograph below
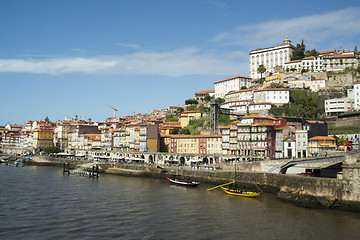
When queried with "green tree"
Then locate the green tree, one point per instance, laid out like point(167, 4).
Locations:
point(203, 109)
point(261, 69)
point(185, 131)
point(52, 149)
point(299, 52)
point(243, 87)
point(302, 104)
point(207, 98)
point(191, 108)
point(175, 131)
point(171, 118)
point(220, 100)
point(340, 140)
point(191, 102)
point(312, 52)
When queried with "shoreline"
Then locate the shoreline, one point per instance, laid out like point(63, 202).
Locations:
point(306, 192)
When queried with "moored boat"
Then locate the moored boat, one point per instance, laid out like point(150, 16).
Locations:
point(183, 181)
point(242, 193)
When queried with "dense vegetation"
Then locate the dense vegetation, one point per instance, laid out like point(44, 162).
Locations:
point(172, 118)
point(300, 52)
point(52, 149)
point(302, 104)
point(350, 129)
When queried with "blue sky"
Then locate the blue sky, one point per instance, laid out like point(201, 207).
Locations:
point(66, 57)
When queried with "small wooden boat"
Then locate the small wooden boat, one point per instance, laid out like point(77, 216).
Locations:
point(242, 193)
point(233, 188)
point(184, 182)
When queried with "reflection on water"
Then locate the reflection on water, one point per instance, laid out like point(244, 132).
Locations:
point(42, 203)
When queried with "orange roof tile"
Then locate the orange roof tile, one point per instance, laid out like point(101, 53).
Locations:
point(294, 61)
point(308, 58)
point(322, 138)
point(243, 90)
point(263, 124)
point(237, 76)
point(350, 55)
point(253, 116)
point(195, 136)
point(271, 89)
point(313, 121)
point(205, 92)
point(328, 51)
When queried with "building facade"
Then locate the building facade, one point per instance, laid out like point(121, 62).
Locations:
point(272, 58)
point(335, 106)
point(227, 85)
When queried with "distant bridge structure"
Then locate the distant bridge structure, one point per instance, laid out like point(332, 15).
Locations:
point(284, 167)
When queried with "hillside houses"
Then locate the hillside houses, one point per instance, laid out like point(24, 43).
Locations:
point(252, 133)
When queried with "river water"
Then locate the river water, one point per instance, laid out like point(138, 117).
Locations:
point(42, 203)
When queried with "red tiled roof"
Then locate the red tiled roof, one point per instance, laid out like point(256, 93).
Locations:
point(253, 116)
point(322, 138)
point(313, 121)
point(263, 124)
point(238, 76)
point(195, 136)
point(271, 89)
point(349, 55)
point(308, 58)
point(191, 112)
point(328, 51)
point(279, 45)
point(205, 92)
point(294, 61)
point(243, 90)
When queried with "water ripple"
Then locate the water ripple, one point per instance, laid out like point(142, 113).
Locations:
point(46, 204)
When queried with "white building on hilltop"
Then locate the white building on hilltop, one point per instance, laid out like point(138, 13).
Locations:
point(271, 58)
point(227, 85)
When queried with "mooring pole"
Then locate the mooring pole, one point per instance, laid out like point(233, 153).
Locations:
point(66, 168)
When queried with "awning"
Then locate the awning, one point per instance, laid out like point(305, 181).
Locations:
point(193, 160)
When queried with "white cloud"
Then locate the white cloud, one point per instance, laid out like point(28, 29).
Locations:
point(324, 29)
point(179, 62)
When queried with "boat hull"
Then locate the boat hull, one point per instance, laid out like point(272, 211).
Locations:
point(240, 193)
point(183, 182)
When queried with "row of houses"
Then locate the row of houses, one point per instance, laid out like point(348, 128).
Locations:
point(269, 137)
point(252, 135)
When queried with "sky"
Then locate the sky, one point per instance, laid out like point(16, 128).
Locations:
point(59, 58)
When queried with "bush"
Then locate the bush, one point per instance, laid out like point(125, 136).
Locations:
point(53, 149)
point(301, 105)
point(191, 102)
point(171, 118)
point(191, 108)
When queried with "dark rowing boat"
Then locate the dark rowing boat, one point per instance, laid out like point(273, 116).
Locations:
point(183, 181)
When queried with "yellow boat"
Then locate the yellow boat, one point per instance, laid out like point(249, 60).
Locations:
point(241, 193)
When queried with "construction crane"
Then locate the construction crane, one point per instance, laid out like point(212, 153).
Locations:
point(115, 110)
